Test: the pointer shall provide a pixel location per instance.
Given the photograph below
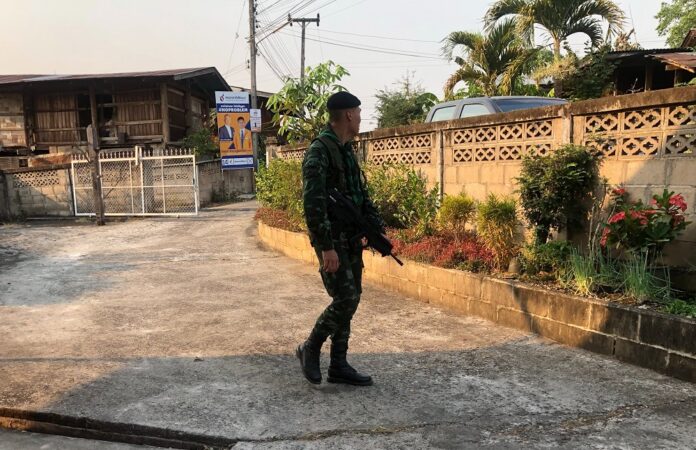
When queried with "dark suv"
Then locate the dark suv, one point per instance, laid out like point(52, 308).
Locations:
point(478, 106)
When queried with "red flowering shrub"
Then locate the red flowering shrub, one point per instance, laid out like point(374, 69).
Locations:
point(278, 219)
point(444, 251)
point(637, 227)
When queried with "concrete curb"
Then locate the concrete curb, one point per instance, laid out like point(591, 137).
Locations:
point(86, 428)
point(661, 342)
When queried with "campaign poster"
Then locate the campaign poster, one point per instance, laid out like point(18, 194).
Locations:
point(234, 130)
point(255, 119)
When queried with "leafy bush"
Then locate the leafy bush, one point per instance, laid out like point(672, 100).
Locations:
point(551, 257)
point(592, 272)
point(467, 253)
point(555, 189)
point(279, 186)
point(203, 142)
point(402, 197)
point(641, 228)
point(496, 224)
point(681, 307)
point(641, 283)
point(455, 212)
point(277, 218)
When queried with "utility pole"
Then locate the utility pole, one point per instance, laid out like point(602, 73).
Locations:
point(303, 23)
point(252, 67)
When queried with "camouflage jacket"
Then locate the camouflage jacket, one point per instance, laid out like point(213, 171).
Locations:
point(330, 167)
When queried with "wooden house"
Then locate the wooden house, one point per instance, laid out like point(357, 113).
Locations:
point(50, 114)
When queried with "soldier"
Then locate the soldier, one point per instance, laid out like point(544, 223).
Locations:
point(330, 163)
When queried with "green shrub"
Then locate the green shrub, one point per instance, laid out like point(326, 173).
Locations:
point(555, 189)
point(640, 281)
point(592, 272)
point(582, 273)
point(402, 197)
point(496, 224)
point(551, 257)
point(279, 186)
point(681, 308)
point(278, 219)
point(203, 142)
point(455, 212)
point(641, 228)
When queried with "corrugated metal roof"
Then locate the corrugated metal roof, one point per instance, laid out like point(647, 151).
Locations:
point(9, 79)
point(643, 52)
point(176, 73)
point(686, 61)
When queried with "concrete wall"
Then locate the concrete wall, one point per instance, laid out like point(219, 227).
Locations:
point(44, 192)
point(648, 141)
point(657, 341)
point(215, 184)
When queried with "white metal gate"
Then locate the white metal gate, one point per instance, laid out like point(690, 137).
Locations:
point(138, 182)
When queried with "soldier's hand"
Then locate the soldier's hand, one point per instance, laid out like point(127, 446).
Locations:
point(330, 258)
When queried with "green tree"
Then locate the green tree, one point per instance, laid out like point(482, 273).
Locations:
point(675, 19)
point(560, 19)
point(492, 63)
point(593, 77)
point(407, 104)
point(299, 108)
point(554, 189)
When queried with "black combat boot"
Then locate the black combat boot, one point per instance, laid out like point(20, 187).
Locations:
point(342, 372)
point(308, 354)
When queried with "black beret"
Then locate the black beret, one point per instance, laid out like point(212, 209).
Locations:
point(342, 100)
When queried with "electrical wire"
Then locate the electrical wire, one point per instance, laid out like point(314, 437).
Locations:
point(236, 38)
point(384, 50)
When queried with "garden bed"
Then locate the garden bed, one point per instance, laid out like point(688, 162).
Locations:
point(644, 337)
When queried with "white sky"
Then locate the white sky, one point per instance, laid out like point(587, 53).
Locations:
point(93, 36)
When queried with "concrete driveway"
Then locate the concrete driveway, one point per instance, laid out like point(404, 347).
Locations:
point(186, 327)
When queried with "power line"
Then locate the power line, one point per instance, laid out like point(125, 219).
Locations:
point(236, 37)
point(383, 50)
point(347, 7)
point(380, 37)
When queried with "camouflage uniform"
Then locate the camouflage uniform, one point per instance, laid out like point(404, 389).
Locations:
point(328, 164)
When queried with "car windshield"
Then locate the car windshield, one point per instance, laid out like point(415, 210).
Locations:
point(445, 113)
point(511, 104)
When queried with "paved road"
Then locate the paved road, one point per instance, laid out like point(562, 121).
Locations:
point(189, 325)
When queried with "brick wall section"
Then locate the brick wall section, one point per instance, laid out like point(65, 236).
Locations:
point(660, 342)
point(44, 192)
point(213, 182)
point(647, 139)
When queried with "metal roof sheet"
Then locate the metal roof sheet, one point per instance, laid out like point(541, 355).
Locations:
point(175, 73)
point(686, 61)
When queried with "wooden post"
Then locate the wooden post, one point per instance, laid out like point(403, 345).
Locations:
point(28, 107)
point(164, 103)
point(94, 159)
point(188, 108)
point(648, 77)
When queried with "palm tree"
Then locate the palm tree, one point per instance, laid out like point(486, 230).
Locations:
point(491, 62)
point(560, 19)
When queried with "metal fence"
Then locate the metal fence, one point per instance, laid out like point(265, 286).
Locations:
point(138, 182)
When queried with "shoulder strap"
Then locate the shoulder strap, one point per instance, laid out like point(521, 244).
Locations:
point(336, 160)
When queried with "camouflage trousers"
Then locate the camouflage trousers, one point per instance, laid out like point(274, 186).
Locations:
point(344, 287)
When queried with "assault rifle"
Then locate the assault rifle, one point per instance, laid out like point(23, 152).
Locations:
point(344, 210)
